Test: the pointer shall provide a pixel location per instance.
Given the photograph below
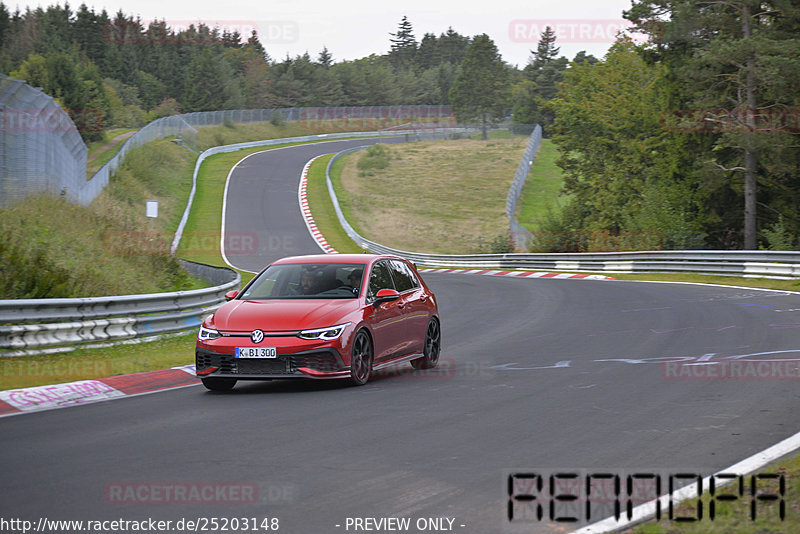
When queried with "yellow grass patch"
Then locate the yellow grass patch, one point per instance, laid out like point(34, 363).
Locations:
point(445, 197)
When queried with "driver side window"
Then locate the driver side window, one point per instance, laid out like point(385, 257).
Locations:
point(379, 278)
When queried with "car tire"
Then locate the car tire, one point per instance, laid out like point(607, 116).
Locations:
point(361, 359)
point(219, 384)
point(433, 346)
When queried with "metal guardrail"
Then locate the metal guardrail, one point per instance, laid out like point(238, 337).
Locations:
point(772, 264)
point(29, 326)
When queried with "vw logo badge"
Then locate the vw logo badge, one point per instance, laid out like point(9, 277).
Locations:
point(257, 336)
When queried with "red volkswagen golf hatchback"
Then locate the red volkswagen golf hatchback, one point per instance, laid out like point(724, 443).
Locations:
point(323, 316)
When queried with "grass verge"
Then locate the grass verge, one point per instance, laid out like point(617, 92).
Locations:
point(100, 152)
point(53, 249)
point(319, 200)
point(736, 515)
point(84, 363)
point(540, 195)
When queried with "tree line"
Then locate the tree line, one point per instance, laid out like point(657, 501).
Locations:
point(691, 135)
point(120, 71)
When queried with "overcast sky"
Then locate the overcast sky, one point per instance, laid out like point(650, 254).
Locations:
point(354, 29)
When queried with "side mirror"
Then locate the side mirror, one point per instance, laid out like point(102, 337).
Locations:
point(386, 295)
point(230, 295)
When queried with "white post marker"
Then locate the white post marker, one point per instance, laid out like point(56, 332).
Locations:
point(151, 211)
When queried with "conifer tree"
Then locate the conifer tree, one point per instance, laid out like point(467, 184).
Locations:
point(481, 90)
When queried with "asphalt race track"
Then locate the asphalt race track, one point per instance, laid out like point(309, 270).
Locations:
point(535, 374)
point(262, 204)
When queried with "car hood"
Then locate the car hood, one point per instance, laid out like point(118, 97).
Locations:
point(282, 315)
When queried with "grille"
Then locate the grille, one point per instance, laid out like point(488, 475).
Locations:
point(225, 363)
point(273, 366)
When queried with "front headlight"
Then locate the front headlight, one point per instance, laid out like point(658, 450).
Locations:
point(324, 334)
point(206, 334)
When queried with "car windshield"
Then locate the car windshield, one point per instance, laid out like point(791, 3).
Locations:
point(307, 280)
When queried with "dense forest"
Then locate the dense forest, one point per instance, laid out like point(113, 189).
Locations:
point(132, 72)
point(691, 136)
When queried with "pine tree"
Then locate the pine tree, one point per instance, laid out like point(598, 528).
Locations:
point(325, 58)
point(404, 46)
point(481, 90)
point(543, 74)
point(452, 47)
point(582, 58)
point(732, 61)
point(87, 32)
point(428, 54)
point(546, 50)
point(205, 85)
point(5, 23)
point(254, 43)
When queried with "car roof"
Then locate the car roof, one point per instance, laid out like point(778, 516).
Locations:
point(362, 259)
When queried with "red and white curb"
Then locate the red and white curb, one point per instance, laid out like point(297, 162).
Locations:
point(40, 398)
point(302, 197)
point(521, 274)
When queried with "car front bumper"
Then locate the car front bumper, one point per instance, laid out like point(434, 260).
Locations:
point(318, 363)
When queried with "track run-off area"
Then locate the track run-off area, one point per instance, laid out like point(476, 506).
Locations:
point(535, 374)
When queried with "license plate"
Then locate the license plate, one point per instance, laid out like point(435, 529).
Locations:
point(256, 352)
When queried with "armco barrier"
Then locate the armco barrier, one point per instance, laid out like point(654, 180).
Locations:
point(773, 264)
point(34, 325)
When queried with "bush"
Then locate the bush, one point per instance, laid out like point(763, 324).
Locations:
point(129, 117)
point(277, 119)
point(375, 157)
point(779, 236)
point(167, 107)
